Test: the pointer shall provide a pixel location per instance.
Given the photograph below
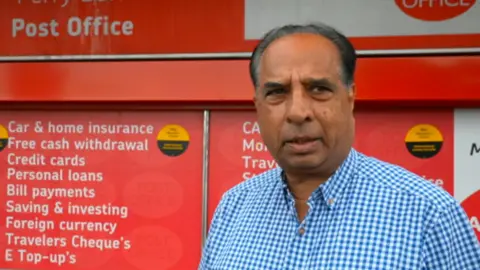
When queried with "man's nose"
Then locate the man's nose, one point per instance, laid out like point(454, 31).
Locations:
point(299, 109)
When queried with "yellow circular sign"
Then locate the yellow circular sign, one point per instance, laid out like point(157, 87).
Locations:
point(424, 141)
point(173, 140)
point(3, 137)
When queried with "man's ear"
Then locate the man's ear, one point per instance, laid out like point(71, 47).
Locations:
point(255, 98)
point(352, 93)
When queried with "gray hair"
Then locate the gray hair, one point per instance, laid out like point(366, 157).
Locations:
point(346, 50)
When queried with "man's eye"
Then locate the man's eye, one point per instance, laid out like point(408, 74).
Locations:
point(275, 92)
point(319, 89)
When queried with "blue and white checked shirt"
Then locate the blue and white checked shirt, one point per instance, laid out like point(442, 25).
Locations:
point(368, 215)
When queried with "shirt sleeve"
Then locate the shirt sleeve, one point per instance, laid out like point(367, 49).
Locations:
point(212, 237)
point(451, 243)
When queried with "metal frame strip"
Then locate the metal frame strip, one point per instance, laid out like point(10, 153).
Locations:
point(237, 55)
point(205, 171)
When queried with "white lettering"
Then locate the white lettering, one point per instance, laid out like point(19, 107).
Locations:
point(62, 144)
point(8, 255)
point(50, 193)
point(100, 210)
point(85, 176)
point(79, 241)
point(255, 163)
point(96, 26)
point(31, 29)
point(89, 226)
point(437, 182)
point(64, 129)
point(21, 144)
point(27, 256)
point(15, 127)
point(35, 224)
point(475, 223)
point(119, 129)
point(251, 128)
point(19, 190)
point(248, 175)
point(63, 3)
point(30, 257)
point(32, 160)
point(30, 207)
point(12, 173)
point(32, 241)
point(435, 3)
point(254, 146)
point(75, 161)
point(110, 145)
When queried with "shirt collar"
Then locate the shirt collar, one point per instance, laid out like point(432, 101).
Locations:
point(332, 190)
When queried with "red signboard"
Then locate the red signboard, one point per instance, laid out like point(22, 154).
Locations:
point(73, 27)
point(102, 190)
point(409, 80)
point(238, 152)
point(118, 27)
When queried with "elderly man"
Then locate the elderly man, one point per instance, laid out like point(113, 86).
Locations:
point(329, 206)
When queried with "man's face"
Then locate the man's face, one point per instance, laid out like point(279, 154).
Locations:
point(304, 109)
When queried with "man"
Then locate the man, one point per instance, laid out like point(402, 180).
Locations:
point(329, 206)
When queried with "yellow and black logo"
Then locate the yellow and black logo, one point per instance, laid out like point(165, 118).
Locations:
point(424, 141)
point(3, 137)
point(173, 140)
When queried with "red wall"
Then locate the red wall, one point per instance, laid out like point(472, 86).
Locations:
point(425, 81)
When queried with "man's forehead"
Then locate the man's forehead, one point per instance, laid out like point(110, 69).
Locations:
point(302, 55)
point(301, 39)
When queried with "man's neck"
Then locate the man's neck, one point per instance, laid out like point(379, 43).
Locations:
point(302, 184)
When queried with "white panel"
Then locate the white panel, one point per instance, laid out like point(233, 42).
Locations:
point(466, 155)
point(355, 18)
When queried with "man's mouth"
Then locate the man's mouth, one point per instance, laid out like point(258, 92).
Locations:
point(302, 140)
point(302, 145)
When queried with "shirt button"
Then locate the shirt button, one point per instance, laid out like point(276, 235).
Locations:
point(301, 231)
point(331, 201)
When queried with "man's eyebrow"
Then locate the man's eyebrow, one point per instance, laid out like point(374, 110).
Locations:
point(309, 81)
point(272, 85)
point(321, 82)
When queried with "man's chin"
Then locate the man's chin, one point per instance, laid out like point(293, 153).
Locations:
point(306, 163)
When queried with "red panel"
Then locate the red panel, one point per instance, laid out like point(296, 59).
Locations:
point(187, 26)
point(427, 81)
point(379, 133)
point(471, 207)
point(163, 225)
point(234, 132)
point(382, 134)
